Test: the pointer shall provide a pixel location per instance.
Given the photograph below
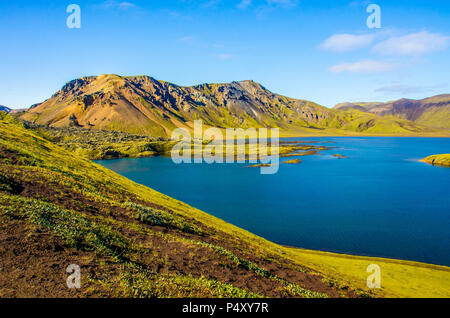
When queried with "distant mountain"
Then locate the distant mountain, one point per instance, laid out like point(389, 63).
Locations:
point(4, 109)
point(141, 104)
point(432, 111)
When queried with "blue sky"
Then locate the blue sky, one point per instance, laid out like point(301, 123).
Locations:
point(317, 50)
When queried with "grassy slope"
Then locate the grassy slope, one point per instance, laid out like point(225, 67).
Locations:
point(438, 160)
point(141, 243)
point(436, 117)
point(431, 112)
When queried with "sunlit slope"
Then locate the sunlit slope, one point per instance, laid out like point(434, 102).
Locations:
point(143, 105)
point(438, 160)
point(431, 112)
point(57, 209)
point(398, 278)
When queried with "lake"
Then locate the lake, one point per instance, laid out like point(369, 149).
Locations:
point(379, 201)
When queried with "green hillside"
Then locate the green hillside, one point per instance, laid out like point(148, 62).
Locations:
point(431, 112)
point(58, 209)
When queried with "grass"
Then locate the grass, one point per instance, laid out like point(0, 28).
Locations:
point(438, 160)
point(156, 246)
point(398, 278)
point(293, 161)
point(103, 144)
point(153, 216)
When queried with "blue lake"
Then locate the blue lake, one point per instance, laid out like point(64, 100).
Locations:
point(380, 201)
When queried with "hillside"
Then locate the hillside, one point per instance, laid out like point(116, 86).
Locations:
point(143, 105)
point(5, 109)
point(431, 112)
point(58, 209)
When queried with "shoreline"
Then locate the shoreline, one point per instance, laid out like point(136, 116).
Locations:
point(369, 258)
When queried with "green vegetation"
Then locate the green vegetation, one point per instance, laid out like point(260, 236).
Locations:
point(431, 112)
point(293, 161)
point(103, 144)
point(438, 160)
point(259, 165)
point(59, 208)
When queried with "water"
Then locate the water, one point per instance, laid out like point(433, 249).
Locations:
point(380, 201)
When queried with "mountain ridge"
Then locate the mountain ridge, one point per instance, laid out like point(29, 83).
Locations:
point(144, 105)
point(431, 111)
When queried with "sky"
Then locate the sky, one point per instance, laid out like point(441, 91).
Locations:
point(323, 51)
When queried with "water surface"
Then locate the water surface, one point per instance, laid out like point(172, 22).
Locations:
point(380, 201)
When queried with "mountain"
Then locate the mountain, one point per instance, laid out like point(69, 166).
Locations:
point(143, 105)
point(5, 109)
point(432, 112)
point(58, 208)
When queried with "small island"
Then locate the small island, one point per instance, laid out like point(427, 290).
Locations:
point(340, 156)
point(260, 165)
point(293, 161)
point(438, 160)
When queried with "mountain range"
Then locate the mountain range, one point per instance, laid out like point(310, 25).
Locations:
point(432, 111)
point(144, 105)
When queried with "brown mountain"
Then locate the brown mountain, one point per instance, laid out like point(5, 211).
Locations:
point(141, 104)
point(433, 111)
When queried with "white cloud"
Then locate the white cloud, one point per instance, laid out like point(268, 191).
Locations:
point(413, 44)
point(362, 67)
point(244, 4)
point(360, 3)
point(189, 39)
point(224, 56)
point(347, 42)
point(409, 89)
point(284, 3)
point(121, 5)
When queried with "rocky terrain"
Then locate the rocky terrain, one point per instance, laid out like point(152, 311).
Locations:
point(144, 105)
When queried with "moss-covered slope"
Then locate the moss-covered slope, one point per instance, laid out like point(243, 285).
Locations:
point(438, 160)
point(58, 209)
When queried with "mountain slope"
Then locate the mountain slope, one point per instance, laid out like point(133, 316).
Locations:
point(143, 105)
point(432, 112)
point(5, 109)
point(58, 209)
